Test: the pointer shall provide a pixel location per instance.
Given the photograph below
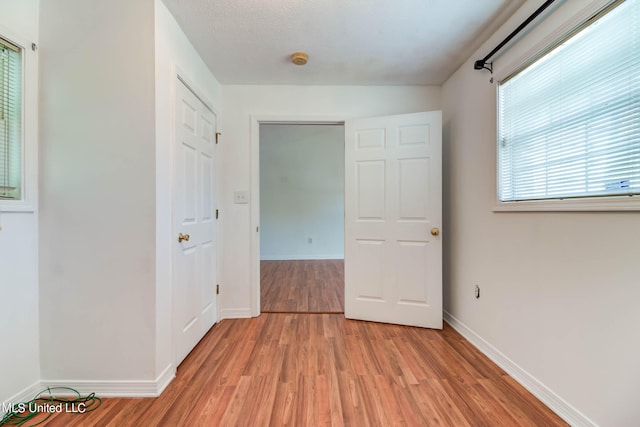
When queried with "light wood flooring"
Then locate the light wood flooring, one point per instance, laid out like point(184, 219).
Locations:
point(308, 286)
point(321, 370)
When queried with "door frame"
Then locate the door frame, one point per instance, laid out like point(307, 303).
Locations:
point(254, 187)
point(179, 76)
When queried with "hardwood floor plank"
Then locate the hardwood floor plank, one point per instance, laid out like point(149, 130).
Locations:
point(351, 399)
point(407, 404)
point(472, 412)
point(471, 355)
point(231, 416)
point(282, 412)
point(375, 403)
point(258, 402)
point(335, 401)
point(322, 369)
point(302, 286)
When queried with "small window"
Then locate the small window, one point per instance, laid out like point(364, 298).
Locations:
point(10, 121)
point(569, 123)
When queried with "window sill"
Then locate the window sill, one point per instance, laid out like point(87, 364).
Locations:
point(594, 204)
point(7, 206)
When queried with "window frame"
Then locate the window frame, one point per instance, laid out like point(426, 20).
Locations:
point(29, 125)
point(562, 31)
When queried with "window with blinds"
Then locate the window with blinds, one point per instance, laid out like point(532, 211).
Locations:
point(569, 123)
point(10, 121)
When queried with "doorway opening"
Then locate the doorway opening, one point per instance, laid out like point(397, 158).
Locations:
point(301, 187)
point(392, 217)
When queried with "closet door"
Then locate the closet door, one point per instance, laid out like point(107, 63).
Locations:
point(194, 221)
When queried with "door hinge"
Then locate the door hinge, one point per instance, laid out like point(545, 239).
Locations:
point(217, 289)
point(217, 136)
point(217, 213)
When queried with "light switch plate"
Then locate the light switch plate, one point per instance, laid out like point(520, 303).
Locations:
point(240, 197)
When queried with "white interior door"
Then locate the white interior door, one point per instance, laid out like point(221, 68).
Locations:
point(393, 216)
point(195, 244)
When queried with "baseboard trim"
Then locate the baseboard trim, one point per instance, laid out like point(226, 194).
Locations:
point(165, 378)
point(101, 388)
point(125, 388)
point(235, 313)
point(299, 257)
point(23, 396)
point(558, 405)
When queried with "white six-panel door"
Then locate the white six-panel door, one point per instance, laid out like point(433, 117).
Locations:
point(393, 216)
point(194, 222)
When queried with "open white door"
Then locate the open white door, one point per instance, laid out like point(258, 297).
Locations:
point(393, 216)
point(194, 222)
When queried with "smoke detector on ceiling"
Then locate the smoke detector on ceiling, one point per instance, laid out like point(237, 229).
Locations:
point(299, 58)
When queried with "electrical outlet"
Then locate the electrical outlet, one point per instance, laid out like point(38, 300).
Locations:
point(477, 291)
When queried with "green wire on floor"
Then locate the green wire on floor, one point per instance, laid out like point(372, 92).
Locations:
point(25, 412)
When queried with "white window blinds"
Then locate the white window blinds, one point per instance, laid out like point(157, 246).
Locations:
point(569, 123)
point(10, 121)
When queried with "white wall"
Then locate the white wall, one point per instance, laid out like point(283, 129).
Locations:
point(301, 191)
point(20, 358)
point(173, 52)
point(97, 188)
point(559, 291)
point(243, 102)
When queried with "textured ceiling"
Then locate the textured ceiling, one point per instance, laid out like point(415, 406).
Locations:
point(358, 42)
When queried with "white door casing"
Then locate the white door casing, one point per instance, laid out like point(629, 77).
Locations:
point(194, 202)
point(393, 202)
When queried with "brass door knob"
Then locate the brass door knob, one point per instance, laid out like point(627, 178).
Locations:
point(435, 231)
point(182, 237)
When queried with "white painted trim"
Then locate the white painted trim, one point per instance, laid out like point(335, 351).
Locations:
point(29, 201)
point(165, 378)
point(560, 406)
point(587, 204)
point(22, 396)
point(254, 206)
point(299, 257)
point(236, 313)
point(164, 227)
point(100, 388)
point(173, 89)
point(254, 215)
point(196, 92)
point(125, 388)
